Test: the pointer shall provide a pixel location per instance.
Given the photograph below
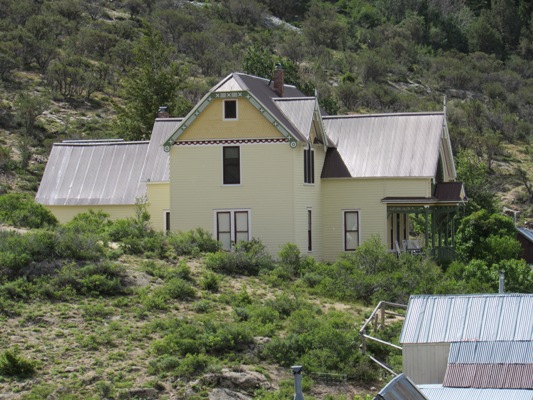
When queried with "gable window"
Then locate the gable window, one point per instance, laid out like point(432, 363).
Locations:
point(231, 165)
point(232, 226)
point(230, 109)
point(351, 230)
point(309, 165)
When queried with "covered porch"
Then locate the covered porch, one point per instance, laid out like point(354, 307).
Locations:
point(435, 230)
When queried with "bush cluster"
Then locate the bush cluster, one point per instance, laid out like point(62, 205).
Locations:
point(20, 210)
point(248, 258)
point(12, 363)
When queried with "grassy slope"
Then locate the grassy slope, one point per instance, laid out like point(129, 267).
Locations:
point(87, 347)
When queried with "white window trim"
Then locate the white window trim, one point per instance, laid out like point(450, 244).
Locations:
point(236, 110)
point(222, 169)
point(358, 211)
point(232, 211)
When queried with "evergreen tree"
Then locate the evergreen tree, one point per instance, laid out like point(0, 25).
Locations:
point(154, 81)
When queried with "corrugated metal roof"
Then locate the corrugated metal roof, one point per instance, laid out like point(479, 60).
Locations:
point(490, 365)
point(387, 145)
point(505, 352)
point(456, 318)
point(105, 172)
point(495, 376)
point(400, 388)
point(299, 111)
point(438, 392)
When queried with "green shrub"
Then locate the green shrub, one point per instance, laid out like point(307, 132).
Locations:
point(21, 210)
point(74, 245)
point(177, 288)
point(194, 364)
point(95, 222)
point(210, 281)
point(12, 363)
point(249, 258)
point(193, 242)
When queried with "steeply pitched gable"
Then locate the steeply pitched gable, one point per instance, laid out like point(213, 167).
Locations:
point(258, 92)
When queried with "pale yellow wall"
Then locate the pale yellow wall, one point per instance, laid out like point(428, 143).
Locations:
point(266, 189)
point(158, 194)
point(250, 124)
point(66, 213)
point(364, 195)
point(307, 196)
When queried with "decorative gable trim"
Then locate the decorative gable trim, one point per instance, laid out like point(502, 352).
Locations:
point(228, 141)
point(293, 142)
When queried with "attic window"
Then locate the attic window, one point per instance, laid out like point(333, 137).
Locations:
point(230, 109)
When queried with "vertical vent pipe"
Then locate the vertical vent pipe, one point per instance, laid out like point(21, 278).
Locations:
point(297, 371)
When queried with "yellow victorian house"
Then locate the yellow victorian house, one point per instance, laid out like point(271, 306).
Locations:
point(259, 159)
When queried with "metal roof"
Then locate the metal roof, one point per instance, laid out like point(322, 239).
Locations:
point(93, 174)
point(105, 172)
point(505, 352)
point(387, 145)
point(299, 111)
point(490, 365)
point(438, 392)
point(456, 318)
point(157, 168)
point(400, 388)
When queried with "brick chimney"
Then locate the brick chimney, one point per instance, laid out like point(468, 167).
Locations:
point(279, 86)
point(163, 112)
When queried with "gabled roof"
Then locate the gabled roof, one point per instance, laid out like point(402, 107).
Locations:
point(400, 388)
point(261, 95)
point(104, 172)
point(477, 317)
point(384, 145)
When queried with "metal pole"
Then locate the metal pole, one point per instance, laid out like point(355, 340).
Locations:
point(502, 281)
point(297, 371)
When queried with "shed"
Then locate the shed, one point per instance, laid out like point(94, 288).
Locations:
point(433, 323)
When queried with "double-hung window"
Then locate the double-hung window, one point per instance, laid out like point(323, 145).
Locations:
point(231, 165)
point(309, 165)
point(232, 226)
point(351, 230)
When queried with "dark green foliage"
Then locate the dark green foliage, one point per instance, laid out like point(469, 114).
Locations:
point(12, 363)
point(325, 344)
point(22, 211)
point(488, 237)
point(210, 281)
point(193, 242)
point(248, 258)
point(372, 274)
point(154, 81)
